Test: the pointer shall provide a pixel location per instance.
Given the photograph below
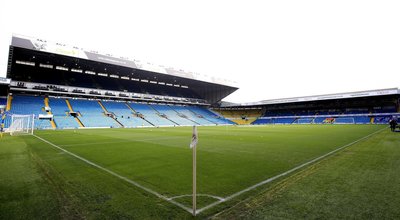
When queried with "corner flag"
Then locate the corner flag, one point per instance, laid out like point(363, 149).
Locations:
point(193, 145)
point(194, 138)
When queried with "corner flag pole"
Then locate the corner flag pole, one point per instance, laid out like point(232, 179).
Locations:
point(193, 145)
point(194, 180)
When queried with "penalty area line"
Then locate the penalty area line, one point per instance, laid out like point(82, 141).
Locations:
point(284, 173)
point(118, 176)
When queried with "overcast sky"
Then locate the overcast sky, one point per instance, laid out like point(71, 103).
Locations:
point(272, 49)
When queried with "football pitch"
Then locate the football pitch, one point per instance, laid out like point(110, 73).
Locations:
point(146, 173)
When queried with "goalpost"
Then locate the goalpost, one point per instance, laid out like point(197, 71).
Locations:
point(21, 124)
point(347, 120)
point(304, 120)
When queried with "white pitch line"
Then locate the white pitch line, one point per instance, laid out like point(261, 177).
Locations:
point(189, 195)
point(283, 174)
point(119, 176)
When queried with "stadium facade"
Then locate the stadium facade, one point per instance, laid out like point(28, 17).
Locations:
point(70, 87)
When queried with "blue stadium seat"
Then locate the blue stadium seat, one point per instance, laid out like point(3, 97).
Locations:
point(173, 115)
point(124, 115)
point(60, 111)
point(27, 105)
point(151, 115)
point(92, 115)
point(210, 115)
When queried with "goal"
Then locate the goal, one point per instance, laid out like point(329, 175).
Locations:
point(304, 120)
point(340, 120)
point(21, 124)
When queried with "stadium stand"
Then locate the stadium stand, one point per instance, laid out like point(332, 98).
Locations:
point(211, 116)
point(91, 114)
point(344, 120)
point(362, 119)
point(109, 113)
point(124, 114)
point(151, 115)
point(190, 115)
point(361, 115)
point(61, 114)
point(284, 120)
point(242, 117)
point(304, 121)
point(25, 105)
point(170, 114)
point(319, 120)
point(382, 119)
point(100, 90)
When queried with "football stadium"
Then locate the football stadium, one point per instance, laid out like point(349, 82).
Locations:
point(87, 135)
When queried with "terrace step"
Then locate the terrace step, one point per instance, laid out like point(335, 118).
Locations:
point(134, 111)
point(107, 112)
point(72, 110)
point(183, 117)
point(46, 104)
point(159, 114)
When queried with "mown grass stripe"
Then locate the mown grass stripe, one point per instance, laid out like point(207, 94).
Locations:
point(284, 173)
point(118, 176)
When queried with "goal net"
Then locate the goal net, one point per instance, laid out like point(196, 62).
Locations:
point(304, 121)
point(21, 124)
point(344, 121)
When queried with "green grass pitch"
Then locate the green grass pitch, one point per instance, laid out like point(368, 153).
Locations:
point(40, 181)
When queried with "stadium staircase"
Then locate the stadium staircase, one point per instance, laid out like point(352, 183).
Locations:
point(9, 101)
point(61, 114)
point(92, 115)
point(107, 113)
point(46, 104)
point(8, 108)
point(72, 110)
point(136, 114)
point(4, 101)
